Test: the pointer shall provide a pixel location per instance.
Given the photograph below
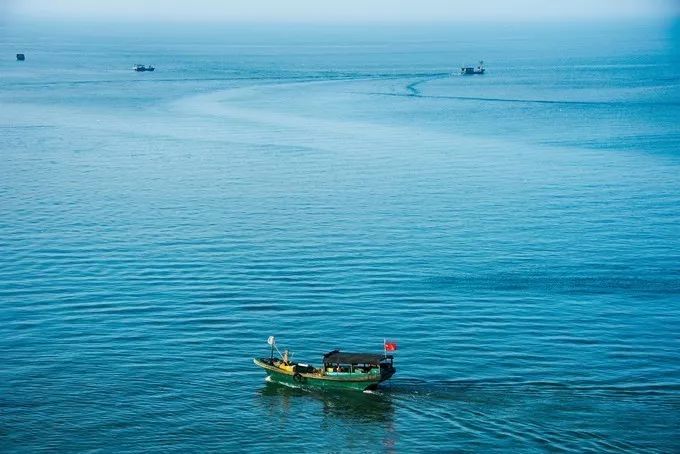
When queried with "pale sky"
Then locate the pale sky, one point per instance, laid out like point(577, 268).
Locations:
point(341, 11)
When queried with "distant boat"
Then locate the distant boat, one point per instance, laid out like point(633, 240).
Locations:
point(21, 57)
point(142, 68)
point(469, 70)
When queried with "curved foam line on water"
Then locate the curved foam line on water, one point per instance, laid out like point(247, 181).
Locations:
point(328, 132)
point(412, 87)
point(316, 132)
point(413, 93)
point(231, 118)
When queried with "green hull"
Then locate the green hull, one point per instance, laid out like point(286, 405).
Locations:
point(359, 383)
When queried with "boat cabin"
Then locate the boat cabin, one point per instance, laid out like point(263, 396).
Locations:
point(143, 68)
point(469, 70)
point(353, 363)
point(21, 57)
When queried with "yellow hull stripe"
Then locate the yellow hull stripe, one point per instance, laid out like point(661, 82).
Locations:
point(314, 376)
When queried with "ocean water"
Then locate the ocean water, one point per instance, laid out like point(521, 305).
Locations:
point(517, 233)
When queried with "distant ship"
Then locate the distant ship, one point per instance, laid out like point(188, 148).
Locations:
point(469, 70)
point(21, 57)
point(142, 68)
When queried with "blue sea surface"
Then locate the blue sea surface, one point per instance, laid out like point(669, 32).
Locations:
point(517, 234)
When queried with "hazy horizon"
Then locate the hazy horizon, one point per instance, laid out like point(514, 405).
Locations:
point(349, 11)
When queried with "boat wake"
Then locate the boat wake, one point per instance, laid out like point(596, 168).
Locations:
point(413, 92)
point(412, 88)
point(511, 389)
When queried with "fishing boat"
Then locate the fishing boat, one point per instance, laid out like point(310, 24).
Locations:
point(339, 370)
point(142, 68)
point(469, 70)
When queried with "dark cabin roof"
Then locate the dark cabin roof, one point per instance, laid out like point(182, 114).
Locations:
point(336, 356)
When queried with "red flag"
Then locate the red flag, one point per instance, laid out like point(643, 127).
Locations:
point(390, 346)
